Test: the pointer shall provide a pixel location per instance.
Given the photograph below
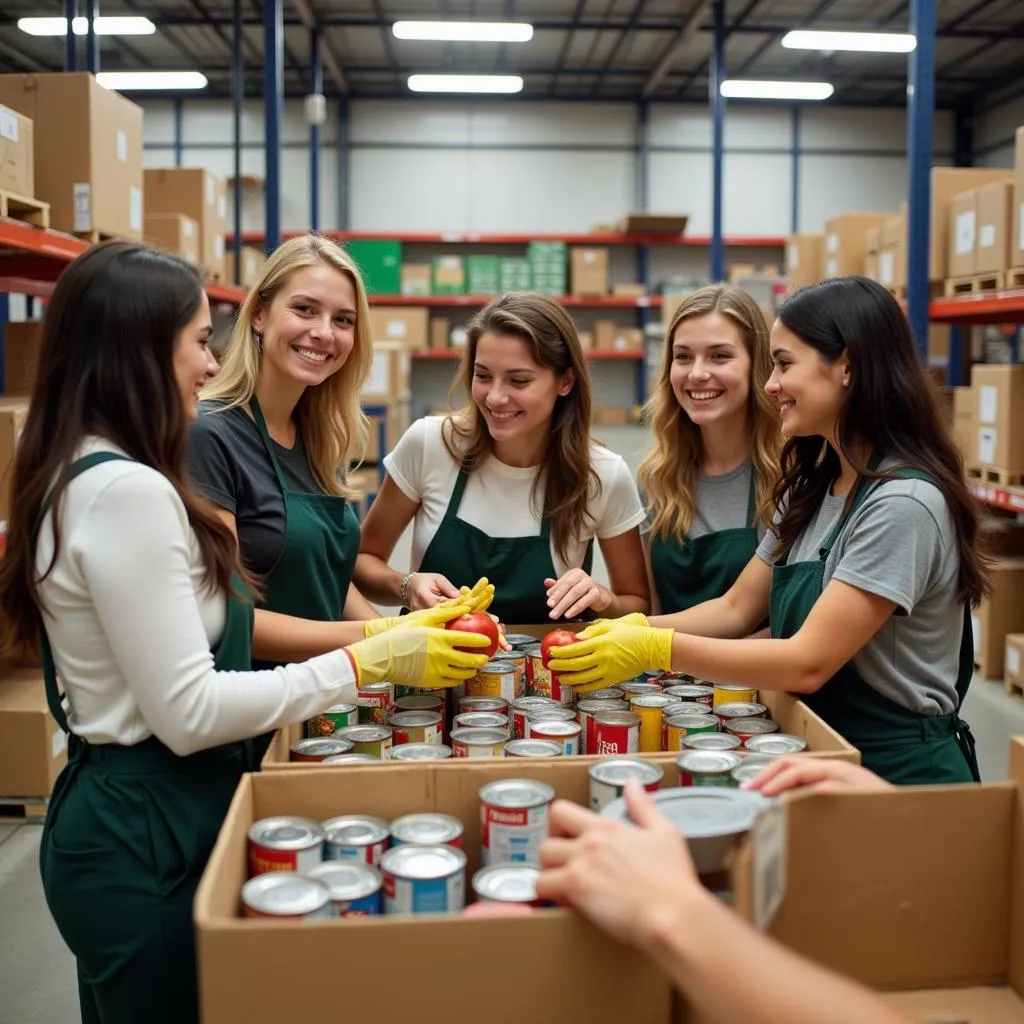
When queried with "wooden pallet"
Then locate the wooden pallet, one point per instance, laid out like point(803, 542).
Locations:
point(1014, 277)
point(975, 283)
point(996, 475)
point(31, 211)
point(936, 289)
point(96, 236)
point(1014, 689)
point(22, 810)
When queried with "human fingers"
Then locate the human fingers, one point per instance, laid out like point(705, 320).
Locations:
point(569, 820)
point(582, 592)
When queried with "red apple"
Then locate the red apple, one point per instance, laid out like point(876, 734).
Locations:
point(477, 622)
point(556, 638)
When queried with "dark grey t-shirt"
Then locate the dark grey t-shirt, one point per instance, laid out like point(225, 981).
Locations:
point(228, 462)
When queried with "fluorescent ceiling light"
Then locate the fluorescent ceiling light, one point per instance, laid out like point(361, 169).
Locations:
point(466, 83)
point(464, 31)
point(864, 42)
point(134, 81)
point(738, 88)
point(119, 26)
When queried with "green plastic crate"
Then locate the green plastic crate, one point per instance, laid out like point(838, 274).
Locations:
point(380, 261)
point(483, 275)
point(516, 275)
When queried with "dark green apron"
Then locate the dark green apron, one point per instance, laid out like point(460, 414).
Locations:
point(311, 576)
point(517, 566)
point(127, 836)
point(902, 746)
point(701, 568)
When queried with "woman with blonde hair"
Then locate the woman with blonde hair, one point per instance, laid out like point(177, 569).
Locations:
point(511, 487)
point(717, 440)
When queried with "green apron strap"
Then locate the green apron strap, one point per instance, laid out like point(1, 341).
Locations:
point(257, 415)
point(752, 499)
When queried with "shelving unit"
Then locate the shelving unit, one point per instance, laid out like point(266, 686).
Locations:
point(592, 302)
point(456, 353)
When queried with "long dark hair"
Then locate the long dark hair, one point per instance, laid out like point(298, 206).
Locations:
point(891, 408)
point(105, 369)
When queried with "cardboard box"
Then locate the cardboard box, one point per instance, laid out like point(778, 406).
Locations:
point(653, 223)
point(1002, 537)
point(873, 239)
point(33, 748)
point(946, 183)
point(999, 614)
point(844, 249)
point(629, 291)
point(409, 325)
point(13, 410)
point(1017, 213)
point(174, 232)
point(804, 259)
point(449, 275)
point(871, 266)
point(589, 272)
point(197, 193)
point(22, 343)
point(999, 389)
point(612, 416)
point(389, 375)
point(88, 151)
point(1013, 661)
point(964, 430)
point(416, 278)
point(253, 262)
point(586, 340)
point(610, 337)
point(963, 233)
point(17, 154)
point(995, 202)
point(440, 332)
point(386, 428)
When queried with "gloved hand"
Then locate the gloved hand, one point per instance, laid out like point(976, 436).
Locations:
point(611, 652)
point(418, 656)
point(632, 619)
point(479, 597)
point(436, 616)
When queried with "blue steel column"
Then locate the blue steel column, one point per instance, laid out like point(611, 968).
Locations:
point(920, 111)
point(715, 79)
point(344, 163)
point(794, 214)
point(70, 40)
point(92, 41)
point(316, 86)
point(238, 101)
point(273, 99)
point(178, 108)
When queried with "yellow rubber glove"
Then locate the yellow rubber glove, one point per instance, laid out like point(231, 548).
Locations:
point(632, 619)
point(478, 597)
point(418, 656)
point(611, 652)
point(436, 616)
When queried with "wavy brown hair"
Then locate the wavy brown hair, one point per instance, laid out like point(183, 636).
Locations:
point(105, 369)
point(891, 408)
point(668, 475)
point(570, 481)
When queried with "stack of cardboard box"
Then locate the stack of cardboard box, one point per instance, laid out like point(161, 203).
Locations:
point(17, 154)
point(803, 260)
point(199, 195)
point(589, 276)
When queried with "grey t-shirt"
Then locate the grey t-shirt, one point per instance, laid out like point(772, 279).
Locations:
point(228, 462)
point(900, 544)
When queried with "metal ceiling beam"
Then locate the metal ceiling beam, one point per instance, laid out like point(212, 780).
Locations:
point(668, 56)
point(311, 21)
point(389, 48)
point(634, 17)
point(207, 19)
point(567, 42)
point(818, 11)
point(736, 26)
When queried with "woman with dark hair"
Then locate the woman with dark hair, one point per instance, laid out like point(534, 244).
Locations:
point(873, 562)
point(131, 584)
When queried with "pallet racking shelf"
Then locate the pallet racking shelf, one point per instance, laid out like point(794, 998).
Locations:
point(491, 238)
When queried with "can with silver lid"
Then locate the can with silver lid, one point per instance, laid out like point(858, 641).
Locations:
point(546, 713)
point(634, 689)
point(616, 732)
point(566, 734)
point(513, 820)
point(670, 678)
point(707, 767)
point(688, 707)
point(739, 709)
point(478, 742)
point(521, 708)
point(699, 694)
point(585, 711)
point(415, 727)
point(359, 837)
point(522, 640)
point(287, 897)
point(608, 778)
point(517, 659)
point(350, 759)
point(426, 829)
point(375, 701)
point(496, 705)
point(538, 676)
point(480, 720)
point(776, 744)
point(285, 842)
point(606, 693)
point(314, 750)
point(747, 771)
point(677, 727)
point(496, 679)
point(733, 694)
point(533, 748)
point(374, 740)
point(420, 702)
point(507, 883)
point(652, 709)
point(424, 880)
point(328, 722)
point(745, 728)
point(355, 888)
point(711, 741)
point(421, 752)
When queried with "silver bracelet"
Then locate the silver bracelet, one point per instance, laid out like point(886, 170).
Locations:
point(403, 590)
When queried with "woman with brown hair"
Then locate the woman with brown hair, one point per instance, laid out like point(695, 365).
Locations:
point(873, 561)
point(511, 487)
point(715, 459)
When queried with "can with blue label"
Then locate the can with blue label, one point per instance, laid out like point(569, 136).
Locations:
point(356, 889)
point(424, 880)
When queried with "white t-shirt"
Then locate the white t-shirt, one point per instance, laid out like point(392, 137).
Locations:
point(497, 496)
point(131, 625)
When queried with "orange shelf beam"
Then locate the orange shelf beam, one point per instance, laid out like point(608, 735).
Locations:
point(431, 354)
point(1010, 499)
point(980, 307)
point(441, 301)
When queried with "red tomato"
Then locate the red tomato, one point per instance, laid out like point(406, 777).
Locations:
point(556, 638)
point(477, 622)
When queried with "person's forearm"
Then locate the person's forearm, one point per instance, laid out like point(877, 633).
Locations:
point(288, 639)
point(377, 581)
point(716, 617)
point(767, 664)
point(623, 604)
point(357, 608)
point(699, 948)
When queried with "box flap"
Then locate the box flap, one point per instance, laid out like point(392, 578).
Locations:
point(995, 1005)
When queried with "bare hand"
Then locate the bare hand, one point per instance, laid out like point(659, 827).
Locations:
point(428, 589)
point(573, 593)
point(815, 775)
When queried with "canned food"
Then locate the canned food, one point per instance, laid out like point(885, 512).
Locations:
point(497, 705)
point(567, 734)
point(495, 679)
point(631, 690)
point(427, 829)
point(585, 711)
point(286, 897)
point(777, 745)
point(513, 820)
point(747, 771)
point(703, 695)
point(533, 748)
point(673, 678)
point(478, 742)
point(739, 709)
point(374, 740)
point(359, 837)
point(729, 694)
point(711, 741)
point(328, 722)
point(375, 701)
point(521, 708)
point(350, 759)
point(421, 752)
point(415, 727)
point(608, 778)
point(441, 693)
point(651, 707)
point(747, 727)
point(707, 767)
point(678, 727)
point(420, 702)
point(317, 749)
point(520, 640)
point(607, 693)
point(517, 659)
point(481, 720)
point(284, 843)
point(424, 880)
point(549, 713)
point(355, 889)
point(616, 732)
point(538, 678)
point(687, 707)
point(507, 883)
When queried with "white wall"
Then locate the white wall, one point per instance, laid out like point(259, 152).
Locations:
point(994, 130)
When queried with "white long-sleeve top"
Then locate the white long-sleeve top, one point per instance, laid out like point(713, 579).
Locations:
point(132, 625)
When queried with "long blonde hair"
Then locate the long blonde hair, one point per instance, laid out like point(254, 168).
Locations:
point(330, 419)
point(668, 475)
point(570, 481)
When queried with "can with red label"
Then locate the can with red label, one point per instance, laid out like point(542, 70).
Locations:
point(678, 727)
point(550, 711)
point(585, 711)
point(478, 742)
point(286, 897)
point(533, 748)
point(284, 843)
point(538, 678)
point(359, 837)
point(727, 712)
point(608, 778)
point(521, 708)
point(608, 693)
point(695, 692)
point(616, 732)
point(631, 690)
point(466, 704)
point(420, 702)
point(328, 722)
point(415, 727)
point(707, 767)
point(567, 734)
point(745, 728)
point(495, 679)
point(375, 702)
point(513, 820)
point(313, 750)
point(481, 720)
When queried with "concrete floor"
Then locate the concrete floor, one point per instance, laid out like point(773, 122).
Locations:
point(37, 974)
